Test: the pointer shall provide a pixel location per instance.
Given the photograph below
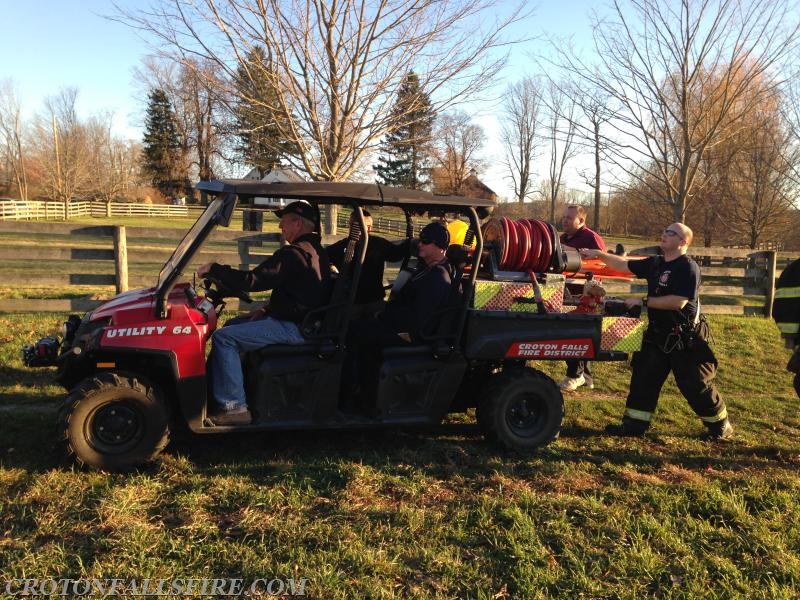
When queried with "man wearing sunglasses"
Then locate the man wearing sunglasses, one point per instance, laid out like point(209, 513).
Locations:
point(409, 312)
point(673, 340)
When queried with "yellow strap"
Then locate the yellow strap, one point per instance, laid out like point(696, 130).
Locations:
point(787, 292)
point(788, 327)
point(720, 416)
point(639, 415)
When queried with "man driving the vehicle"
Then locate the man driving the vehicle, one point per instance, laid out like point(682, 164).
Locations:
point(298, 275)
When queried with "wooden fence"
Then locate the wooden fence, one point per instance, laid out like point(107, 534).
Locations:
point(111, 259)
point(734, 281)
point(383, 225)
point(36, 210)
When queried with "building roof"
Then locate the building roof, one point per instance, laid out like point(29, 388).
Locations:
point(274, 175)
point(475, 188)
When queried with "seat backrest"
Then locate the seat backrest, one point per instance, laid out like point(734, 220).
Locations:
point(330, 321)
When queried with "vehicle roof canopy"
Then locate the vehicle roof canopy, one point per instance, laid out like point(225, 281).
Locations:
point(334, 192)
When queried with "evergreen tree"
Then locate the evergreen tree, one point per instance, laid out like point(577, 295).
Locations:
point(259, 140)
point(404, 159)
point(161, 150)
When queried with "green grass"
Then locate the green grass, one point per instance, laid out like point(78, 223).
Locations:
point(430, 513)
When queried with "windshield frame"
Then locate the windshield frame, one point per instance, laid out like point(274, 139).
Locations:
point(219, 212)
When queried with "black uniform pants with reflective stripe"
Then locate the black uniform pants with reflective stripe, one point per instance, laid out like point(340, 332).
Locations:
point(694, 370)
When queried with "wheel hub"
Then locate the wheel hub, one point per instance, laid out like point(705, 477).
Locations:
point(523, 417)
point(115, 425)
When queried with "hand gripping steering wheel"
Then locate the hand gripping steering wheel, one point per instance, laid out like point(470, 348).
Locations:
point(217, 291)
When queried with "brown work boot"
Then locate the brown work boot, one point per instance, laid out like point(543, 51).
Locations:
point(238, 417)
point(721, 431)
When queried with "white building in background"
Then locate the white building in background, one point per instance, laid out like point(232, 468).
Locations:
point(273, 176)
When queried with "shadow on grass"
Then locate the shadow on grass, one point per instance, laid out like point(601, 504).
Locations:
point(26, 377)
point(453, 450)
point(458, 450)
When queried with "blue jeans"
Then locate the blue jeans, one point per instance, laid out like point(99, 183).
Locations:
point(227, 380)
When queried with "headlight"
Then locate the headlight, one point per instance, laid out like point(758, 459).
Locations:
point(69, 327)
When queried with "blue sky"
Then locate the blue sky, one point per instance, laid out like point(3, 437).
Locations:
point(52, 44)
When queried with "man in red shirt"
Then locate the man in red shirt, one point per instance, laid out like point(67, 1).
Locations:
point(577, 235)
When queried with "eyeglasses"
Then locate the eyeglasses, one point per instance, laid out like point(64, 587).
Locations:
point(672, 233)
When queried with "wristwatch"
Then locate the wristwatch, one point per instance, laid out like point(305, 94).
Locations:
point(644, 301)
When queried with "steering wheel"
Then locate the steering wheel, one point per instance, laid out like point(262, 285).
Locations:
point(220, 291)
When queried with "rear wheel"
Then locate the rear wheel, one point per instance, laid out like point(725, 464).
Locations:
point(521, 409)
point(113, 422)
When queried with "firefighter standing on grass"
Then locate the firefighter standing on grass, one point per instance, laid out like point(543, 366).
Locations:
point(786, 312)
point(674, 341)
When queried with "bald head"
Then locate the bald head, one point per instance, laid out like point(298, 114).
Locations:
point(686, 232)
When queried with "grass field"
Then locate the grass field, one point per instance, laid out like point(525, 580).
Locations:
point(432, 513)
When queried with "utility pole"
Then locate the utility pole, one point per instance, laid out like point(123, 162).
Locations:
point(57, 186)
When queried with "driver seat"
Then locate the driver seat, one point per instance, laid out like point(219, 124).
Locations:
point(301, 382)
point(324, 327)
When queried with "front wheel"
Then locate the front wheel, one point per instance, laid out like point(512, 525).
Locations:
point(521, 409)
point(113, 422)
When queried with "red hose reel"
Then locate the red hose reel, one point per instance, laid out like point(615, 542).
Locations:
point(525, 245)
point(529, 245)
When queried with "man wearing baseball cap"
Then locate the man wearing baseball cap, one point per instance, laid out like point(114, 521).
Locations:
point(298, 275)
point(409, 312)
point(414, 304)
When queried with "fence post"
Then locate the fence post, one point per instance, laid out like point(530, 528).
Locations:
point(244, 254)
point(769, 287)
point(120, 259)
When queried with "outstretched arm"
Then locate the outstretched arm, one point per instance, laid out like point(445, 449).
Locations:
point(618, 263)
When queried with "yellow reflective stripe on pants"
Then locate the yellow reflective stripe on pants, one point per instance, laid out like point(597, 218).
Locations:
point(787, 292)
point(639, 415)
point(720, 416)
point(788, 327)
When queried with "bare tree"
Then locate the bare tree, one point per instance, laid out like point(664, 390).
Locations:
point(518, 134)
point(113, 161)
point(200, 113)
point(595, 113)
point(337, 65)
point(678, 72)
point(790, 111)
point(456, 151)
point(11, 144)
point(559, 133)
point(62, 147)
point(201, 110)
point(758, 178)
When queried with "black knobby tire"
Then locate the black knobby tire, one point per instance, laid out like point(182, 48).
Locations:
point(521, 409)
point(113, 422)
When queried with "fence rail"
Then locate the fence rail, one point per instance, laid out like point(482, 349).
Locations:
point(63, 255)
point(41, 210)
